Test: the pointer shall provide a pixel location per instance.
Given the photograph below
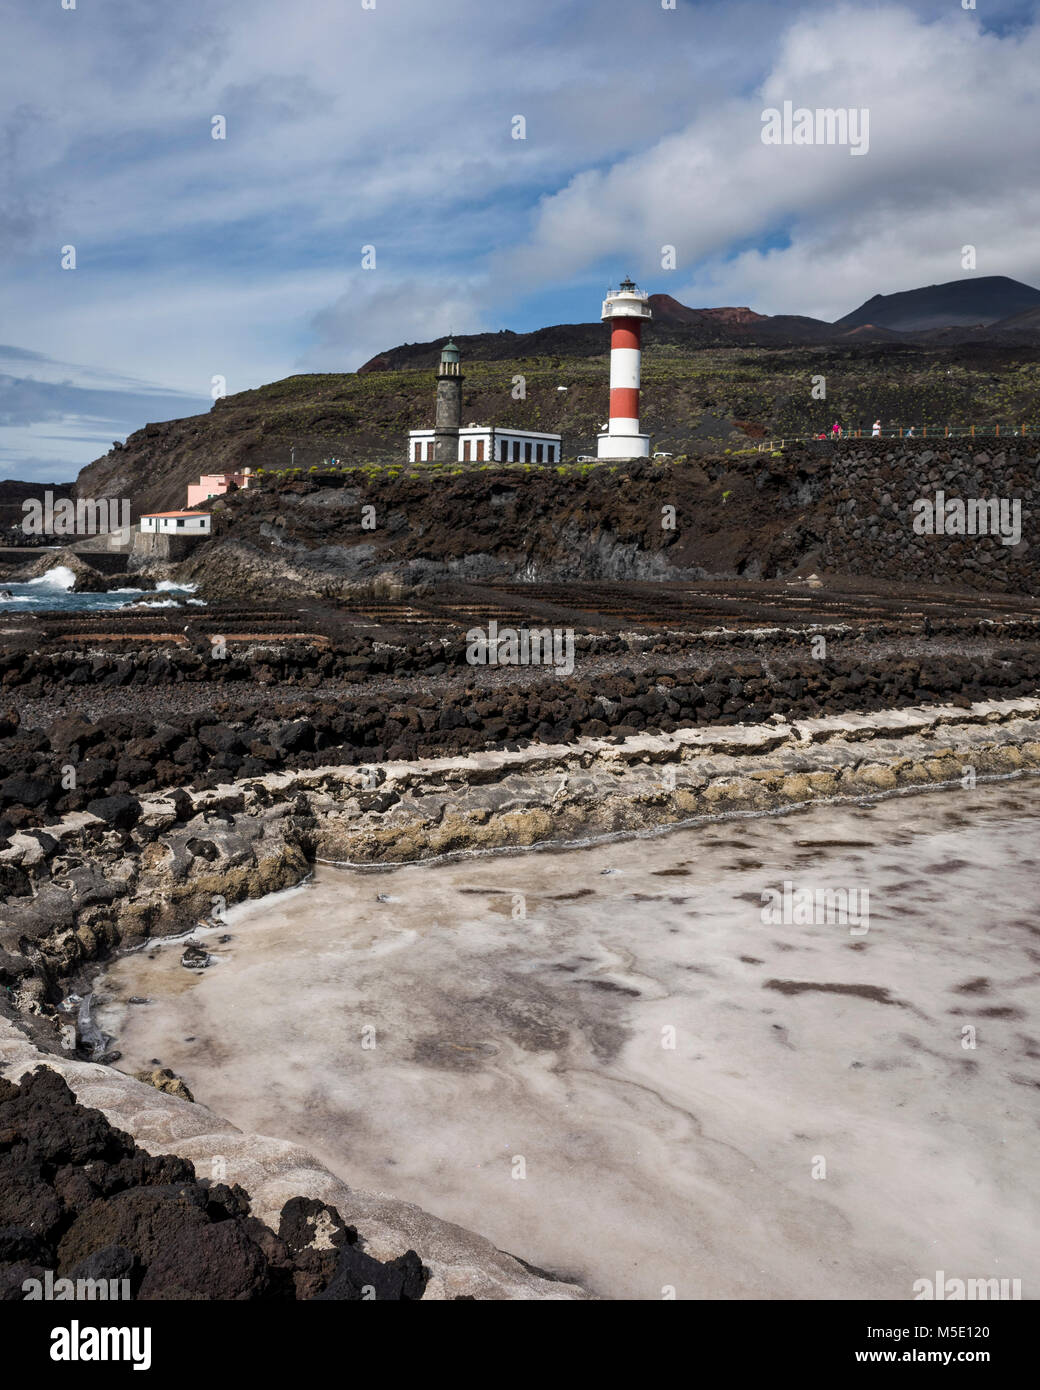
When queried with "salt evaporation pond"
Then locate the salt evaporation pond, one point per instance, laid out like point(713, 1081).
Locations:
point(536, 1044)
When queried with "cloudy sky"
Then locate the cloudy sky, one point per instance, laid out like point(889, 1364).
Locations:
point(389, 123)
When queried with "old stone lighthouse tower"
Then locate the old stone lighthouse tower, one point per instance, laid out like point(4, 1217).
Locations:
point(449, 405)
point(452, 442)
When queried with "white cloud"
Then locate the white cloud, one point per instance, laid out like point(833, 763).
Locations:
point(953, 160)
point(370, 319)
point(345, 126)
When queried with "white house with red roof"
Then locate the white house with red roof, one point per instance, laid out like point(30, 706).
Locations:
point(176, 523)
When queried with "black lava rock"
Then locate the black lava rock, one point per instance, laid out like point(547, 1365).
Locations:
point(79, 1198)
point(120, 812)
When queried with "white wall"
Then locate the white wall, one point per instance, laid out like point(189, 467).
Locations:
point(551, 445)
point(167, 525)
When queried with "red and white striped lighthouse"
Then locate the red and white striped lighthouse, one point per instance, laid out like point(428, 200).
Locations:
point(625, 309)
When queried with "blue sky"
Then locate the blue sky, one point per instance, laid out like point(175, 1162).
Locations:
point(392, 126)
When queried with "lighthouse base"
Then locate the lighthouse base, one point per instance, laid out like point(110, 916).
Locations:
point(623, 446)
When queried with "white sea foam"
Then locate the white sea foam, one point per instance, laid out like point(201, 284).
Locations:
point(61, 577)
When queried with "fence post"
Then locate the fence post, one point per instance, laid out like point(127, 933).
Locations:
point(972, 431)
point(998, 431)
point(925, 436)
point(947, 431)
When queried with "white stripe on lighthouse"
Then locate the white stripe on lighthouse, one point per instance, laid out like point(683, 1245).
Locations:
point(624, 367)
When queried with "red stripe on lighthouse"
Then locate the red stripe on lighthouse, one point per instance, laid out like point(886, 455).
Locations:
point(624, 402)
point(625, 333)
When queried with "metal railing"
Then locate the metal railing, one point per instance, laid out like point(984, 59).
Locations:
point(907, 432)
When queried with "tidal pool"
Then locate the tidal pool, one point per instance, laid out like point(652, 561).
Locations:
point(607, 1061)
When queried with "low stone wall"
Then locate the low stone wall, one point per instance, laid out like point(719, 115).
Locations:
point(146, 549)
point(124, 756)
point(81, 887)
point(872, 489)
point(502, 800)
point(109, 562)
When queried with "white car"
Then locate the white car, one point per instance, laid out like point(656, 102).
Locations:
point(586, 458)
point(660, 455)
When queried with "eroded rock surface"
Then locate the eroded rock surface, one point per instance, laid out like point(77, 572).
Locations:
point(287, 1229)
point(80, 1199)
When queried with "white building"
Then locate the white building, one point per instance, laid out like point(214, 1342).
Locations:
point(491, 444)
point(176, 523)
point(449, 441)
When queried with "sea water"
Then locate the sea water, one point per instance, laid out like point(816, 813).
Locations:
point(53, 592)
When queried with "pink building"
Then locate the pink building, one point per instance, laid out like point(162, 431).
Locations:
point(215, 485)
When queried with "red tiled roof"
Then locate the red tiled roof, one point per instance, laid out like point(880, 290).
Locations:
point(144, 514)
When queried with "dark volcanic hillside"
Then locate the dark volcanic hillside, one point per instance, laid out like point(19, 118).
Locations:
point(922, 316)
point(1026, 323)
point(695, 401)
point(958, 303)
point(846, 509)
point(14, 493)
point(674, 325)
